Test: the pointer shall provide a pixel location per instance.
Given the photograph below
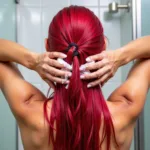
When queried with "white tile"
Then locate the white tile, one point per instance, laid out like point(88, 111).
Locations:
point(107, 2)
point(84, 2)
point(111, 25)
point(30, 2)
point(29, 28)
point(47, 16)
point(6, 2)
point(53, 3)
point(7, 18)
point(95, 10)
point(109, 87)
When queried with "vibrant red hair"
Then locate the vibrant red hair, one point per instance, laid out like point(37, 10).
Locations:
point(78, 112)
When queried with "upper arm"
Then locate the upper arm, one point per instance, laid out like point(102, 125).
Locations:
point(132, 93)
point(16, 90)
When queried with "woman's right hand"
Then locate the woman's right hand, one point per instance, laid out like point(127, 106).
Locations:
point(50, 69)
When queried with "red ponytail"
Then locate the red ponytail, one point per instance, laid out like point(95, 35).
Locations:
point(78, 113)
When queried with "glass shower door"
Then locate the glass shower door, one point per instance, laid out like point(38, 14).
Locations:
point(7, 31)
point(130, 30)
point(145, 11)
point(126, 36)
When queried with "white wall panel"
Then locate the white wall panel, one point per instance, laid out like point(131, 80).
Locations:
point(95, 10)
point(47, 15)
point(29, 28)
point(30, 2)
point(84, 2)
point(61, 3)
point(106, 2)
point(111, 24)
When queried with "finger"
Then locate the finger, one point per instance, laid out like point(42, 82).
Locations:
point(105, 78)
point(101, 81)
point(92, 84)
point(95, 57)
point(96, 74)
point(96, 65)
point(57, 55)
point(55, 63)
point(66, 65)
point(56, 72)
point(50, 83)
point(56, 79)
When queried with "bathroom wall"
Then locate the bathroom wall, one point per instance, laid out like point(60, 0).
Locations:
point(7, 121)
point(34, 17)
point(145, 5)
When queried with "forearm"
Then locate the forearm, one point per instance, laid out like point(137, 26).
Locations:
point(137, 49)
point(11, 51)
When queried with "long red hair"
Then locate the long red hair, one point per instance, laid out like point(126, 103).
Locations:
point(78, 112)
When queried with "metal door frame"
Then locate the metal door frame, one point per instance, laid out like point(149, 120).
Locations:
point(136, 27)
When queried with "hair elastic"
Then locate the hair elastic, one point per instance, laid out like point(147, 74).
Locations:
point(75, 53)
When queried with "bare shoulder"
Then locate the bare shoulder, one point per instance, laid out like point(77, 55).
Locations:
point(20, 94)
point(128, 100)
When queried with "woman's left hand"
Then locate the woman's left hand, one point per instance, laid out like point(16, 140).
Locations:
point(105, 66)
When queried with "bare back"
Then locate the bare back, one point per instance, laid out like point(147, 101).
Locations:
point(125, 105)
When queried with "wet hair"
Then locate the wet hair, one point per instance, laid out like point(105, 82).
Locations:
point(78, 113)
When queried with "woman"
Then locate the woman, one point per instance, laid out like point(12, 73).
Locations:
point(76, 118)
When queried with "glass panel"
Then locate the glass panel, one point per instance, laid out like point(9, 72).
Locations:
point(126, 37)
point(145, 5)
point(7, 123)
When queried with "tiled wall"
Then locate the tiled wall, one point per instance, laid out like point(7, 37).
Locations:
point(34, 17)
point(7, 123)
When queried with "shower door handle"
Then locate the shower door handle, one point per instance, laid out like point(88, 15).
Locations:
point(114, 7)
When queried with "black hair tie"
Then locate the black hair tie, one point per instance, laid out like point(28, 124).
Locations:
point(75, 53)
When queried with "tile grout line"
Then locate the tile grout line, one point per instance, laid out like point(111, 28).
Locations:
point(99, 9)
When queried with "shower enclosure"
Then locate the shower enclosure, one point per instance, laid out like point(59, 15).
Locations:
point(121, 20)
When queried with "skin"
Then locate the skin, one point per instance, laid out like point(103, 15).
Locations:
point(26, 101)
point(108, 62)
point(44, 64)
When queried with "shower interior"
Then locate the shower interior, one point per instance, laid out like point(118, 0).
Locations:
point(31, 23)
